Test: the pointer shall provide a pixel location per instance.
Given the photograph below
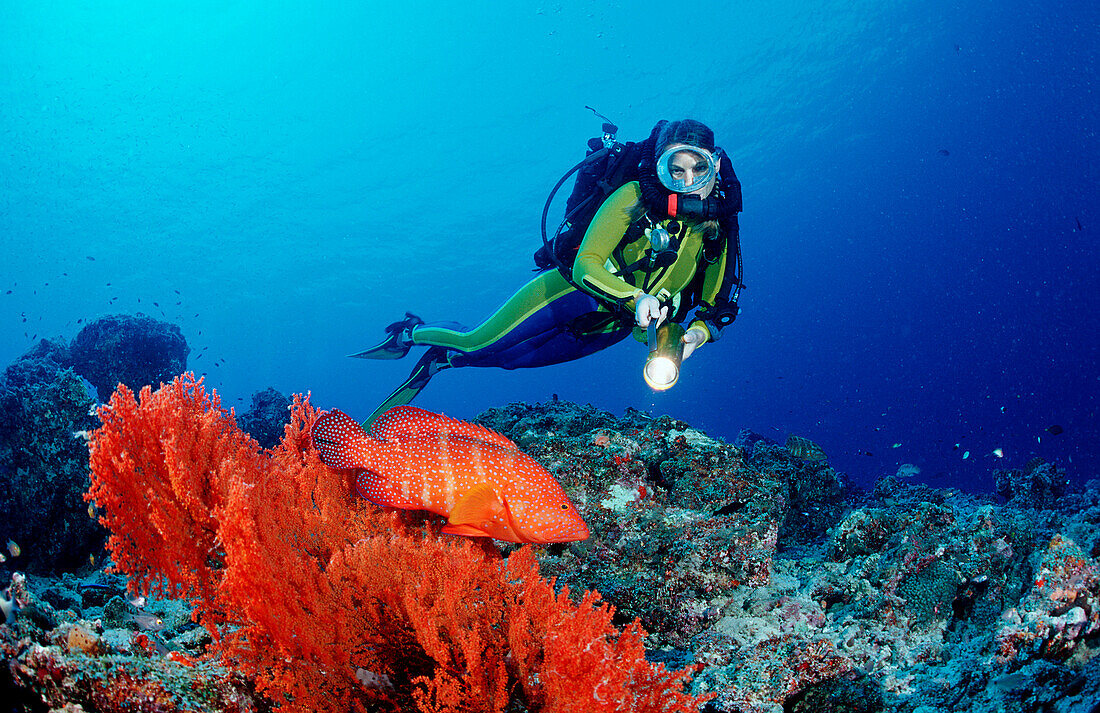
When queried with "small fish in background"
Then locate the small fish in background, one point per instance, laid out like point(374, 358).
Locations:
point(966, 454)
point(145, 621)
point(804, 449)
point(1055, 430)
point(13, 549)
point(1079, 228)
point(944, 152)
point(479, 480)
point(908, 470)
point(998, 453)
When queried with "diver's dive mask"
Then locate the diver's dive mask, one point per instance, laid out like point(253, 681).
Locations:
point(686, 169)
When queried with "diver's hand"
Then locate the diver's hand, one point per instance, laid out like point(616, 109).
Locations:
point(694, 338)
point(648, 308)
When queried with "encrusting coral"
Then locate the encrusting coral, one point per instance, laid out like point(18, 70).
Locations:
point(330, 603)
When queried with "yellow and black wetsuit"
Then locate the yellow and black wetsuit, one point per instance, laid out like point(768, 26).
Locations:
point(549, 320)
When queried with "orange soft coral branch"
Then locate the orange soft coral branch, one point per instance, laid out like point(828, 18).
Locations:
point(330, 603)
point(155, 477)
point(571, 658)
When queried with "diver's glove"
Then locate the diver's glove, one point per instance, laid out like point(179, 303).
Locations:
point(648, 308)
point(694, 338)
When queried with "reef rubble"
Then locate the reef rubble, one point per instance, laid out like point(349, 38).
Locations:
point(787, 588)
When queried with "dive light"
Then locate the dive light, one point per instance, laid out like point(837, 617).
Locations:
point(666, 350)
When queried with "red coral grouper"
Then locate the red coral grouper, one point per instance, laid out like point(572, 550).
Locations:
point(476, 478)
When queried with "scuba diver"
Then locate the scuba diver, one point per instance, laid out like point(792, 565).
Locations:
point(663, 242)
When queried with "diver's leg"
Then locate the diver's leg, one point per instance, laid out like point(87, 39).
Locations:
point(536, 326)
point(412, 331)
point(542, 295)
point(433, 361)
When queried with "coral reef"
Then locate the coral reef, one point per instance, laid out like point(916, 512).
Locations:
point(677, 516)
point(1037, 484)
point(45, 413)
point(327, 601)
point(762, 575)
point(787, 587)
point(135, 350)
point(47, 400)
point(267, 417)
point(78, 658)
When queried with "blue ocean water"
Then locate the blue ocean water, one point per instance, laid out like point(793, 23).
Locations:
point(282, 180)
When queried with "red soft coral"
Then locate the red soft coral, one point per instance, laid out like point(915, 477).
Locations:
point(329, 602)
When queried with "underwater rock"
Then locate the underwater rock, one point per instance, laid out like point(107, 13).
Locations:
point(816, 494)
point(61, 598)
point(55, 350)
point(746, 440)
point(1059, 617)
point(266, 418)
point(1037, 485)
point(525, 424)
point(135, 350)
point(45, 413)
point(846, 694)
point(678, 519)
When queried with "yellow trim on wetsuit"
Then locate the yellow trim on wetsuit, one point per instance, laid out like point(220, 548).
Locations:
point(598, 271)
point(535, 295)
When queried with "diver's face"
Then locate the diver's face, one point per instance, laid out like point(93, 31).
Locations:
point(688, 166)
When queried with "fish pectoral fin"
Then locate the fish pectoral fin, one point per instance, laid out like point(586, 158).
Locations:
point(479, 505)
point(466, 530)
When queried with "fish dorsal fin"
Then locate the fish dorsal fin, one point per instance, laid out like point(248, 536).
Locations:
point(408, 421)
point(480, 504)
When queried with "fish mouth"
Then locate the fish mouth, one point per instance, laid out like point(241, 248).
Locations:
point(573, 536)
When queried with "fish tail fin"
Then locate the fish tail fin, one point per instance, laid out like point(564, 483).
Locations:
point(341, 441)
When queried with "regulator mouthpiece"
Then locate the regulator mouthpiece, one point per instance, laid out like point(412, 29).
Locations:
point(666, 350)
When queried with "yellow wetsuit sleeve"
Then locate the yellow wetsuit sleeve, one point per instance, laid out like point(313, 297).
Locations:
point(604, 233)
point(712, 284)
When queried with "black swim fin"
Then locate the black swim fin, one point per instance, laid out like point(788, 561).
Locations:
point(398, 340)
point(433, 361)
